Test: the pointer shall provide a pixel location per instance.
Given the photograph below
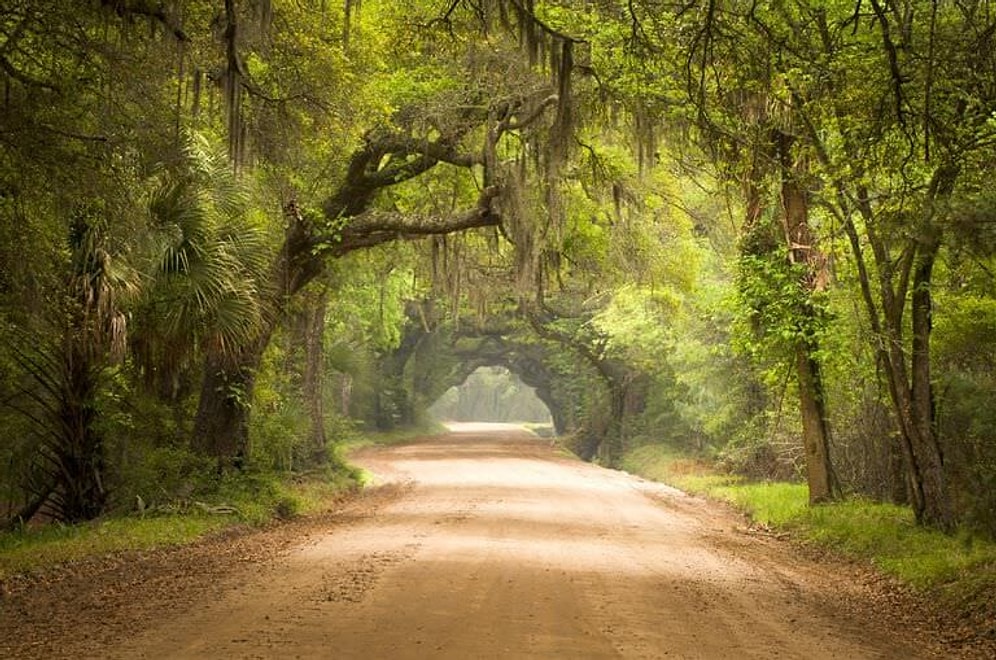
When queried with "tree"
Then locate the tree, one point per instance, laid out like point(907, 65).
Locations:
point(349, 220)
point(70, 184)
point(892, 181)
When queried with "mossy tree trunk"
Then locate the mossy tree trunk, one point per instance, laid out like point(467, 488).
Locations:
point(803, 252)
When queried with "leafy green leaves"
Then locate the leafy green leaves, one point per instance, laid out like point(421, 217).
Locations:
point(212, 253)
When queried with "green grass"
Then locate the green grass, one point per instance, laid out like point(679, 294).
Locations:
point(389, 438)
point(776, 504)
point(37, 548)
point(245, 499)
point(961, 567)
point(888, 536)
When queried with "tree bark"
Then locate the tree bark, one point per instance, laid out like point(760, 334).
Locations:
point(314, 377)
point(812, 402)
point(819, 473)
point(936, 502)
point(221, 426)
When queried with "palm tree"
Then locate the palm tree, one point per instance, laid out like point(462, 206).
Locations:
point(208, 258)
point(64, 364)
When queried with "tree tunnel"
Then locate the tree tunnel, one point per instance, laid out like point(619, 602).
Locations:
point(446, 360)
point(492, 394)
point(590, 397)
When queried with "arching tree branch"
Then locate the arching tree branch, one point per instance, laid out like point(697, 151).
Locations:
point(376, 227)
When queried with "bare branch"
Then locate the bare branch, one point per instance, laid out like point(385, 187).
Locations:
point(509, 125)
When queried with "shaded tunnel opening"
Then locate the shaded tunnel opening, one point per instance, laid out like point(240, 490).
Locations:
point(493, 394)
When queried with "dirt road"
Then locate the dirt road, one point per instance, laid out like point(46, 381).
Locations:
point(477, 545)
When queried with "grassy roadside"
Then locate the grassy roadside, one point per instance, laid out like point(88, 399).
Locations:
point(959, 569)
point(249, 499)
point(388, 438)
point(246, 499)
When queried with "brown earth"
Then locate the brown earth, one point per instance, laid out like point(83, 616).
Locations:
point(479, 544)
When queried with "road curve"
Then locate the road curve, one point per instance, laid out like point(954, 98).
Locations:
point(499, 546)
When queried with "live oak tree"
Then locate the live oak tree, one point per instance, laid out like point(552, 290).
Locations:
point(465, 130)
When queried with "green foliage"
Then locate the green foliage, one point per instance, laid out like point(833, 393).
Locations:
point(209, 257)
point(965, 361)
point(371, 291)
point(778, 311)
point(965, 332)
point(28, 549)
point(164, 476)
point(279, 430)
point(635, 320)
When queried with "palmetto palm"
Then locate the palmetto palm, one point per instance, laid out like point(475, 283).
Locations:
point(209, 256)
point(62, 357)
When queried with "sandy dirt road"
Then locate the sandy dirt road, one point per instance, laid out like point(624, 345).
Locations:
point(482, 544)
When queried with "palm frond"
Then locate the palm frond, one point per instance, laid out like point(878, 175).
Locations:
point(213, 255)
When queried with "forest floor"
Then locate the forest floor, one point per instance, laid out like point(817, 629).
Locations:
point(485, 543)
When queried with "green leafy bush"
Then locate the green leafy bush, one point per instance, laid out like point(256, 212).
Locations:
point(164, 476)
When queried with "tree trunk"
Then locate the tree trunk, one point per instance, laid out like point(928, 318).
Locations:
point(628, 398)
point(937, 510)
point(819, 474)
point(812, 403)
point(314, 377)
point(393, 400)
point(81, 494)
point(221, 426)
point(557, 414)
point(910, 389)
point(899, 488)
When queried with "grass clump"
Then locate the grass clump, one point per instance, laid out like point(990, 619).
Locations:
point(773, 503)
